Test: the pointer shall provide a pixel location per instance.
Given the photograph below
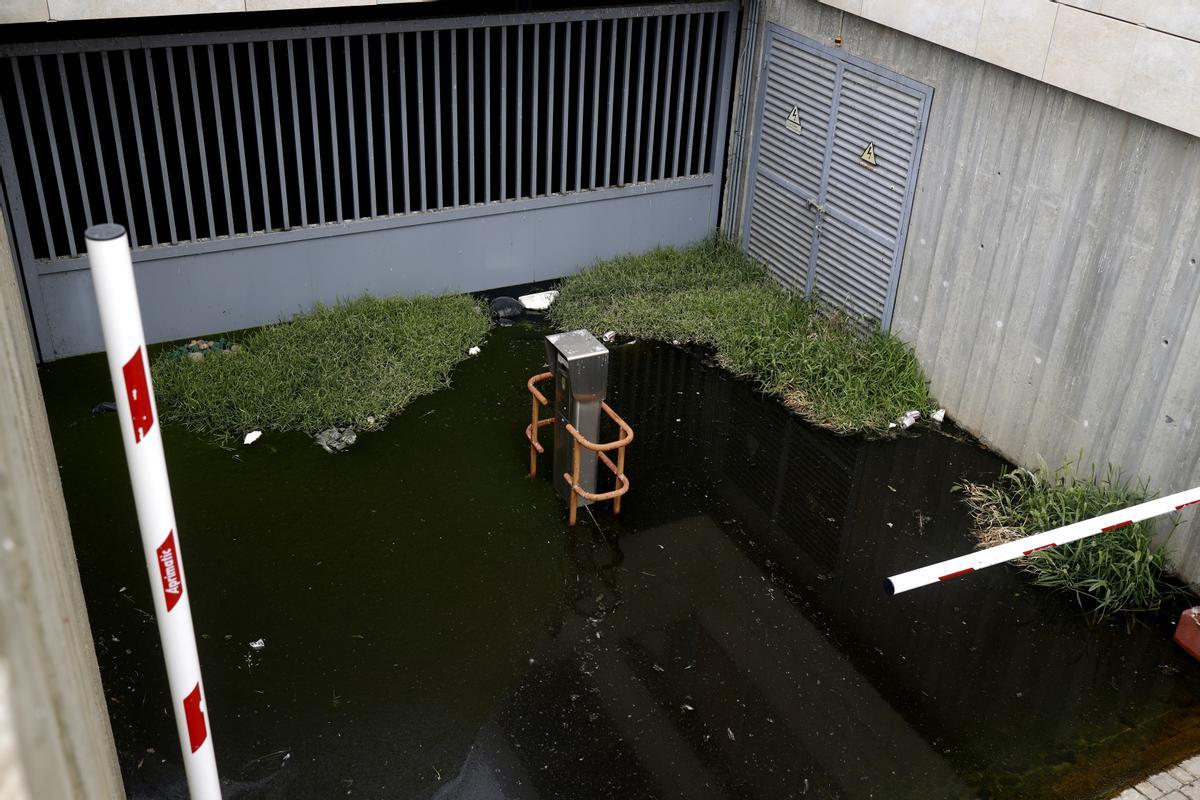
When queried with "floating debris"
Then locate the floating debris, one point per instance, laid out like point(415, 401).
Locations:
point(107, 407)
point(258, 644)
point(506, 308)
point(336, 439)
point(938, 415)
point(473, 350)
point(538, 301)
point(251, 437)
point(609, 336)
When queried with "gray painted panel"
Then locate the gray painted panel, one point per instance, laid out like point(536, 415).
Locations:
point(238, 288)
point(787, 161)
point(819, 111)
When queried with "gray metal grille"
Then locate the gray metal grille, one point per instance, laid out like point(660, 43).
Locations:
point(186, 139)
point(824, 219)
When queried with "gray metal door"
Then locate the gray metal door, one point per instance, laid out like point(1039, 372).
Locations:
point(837, 146)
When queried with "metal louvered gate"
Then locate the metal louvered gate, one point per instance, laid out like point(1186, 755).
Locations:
point(837, 146)
point(262, 171)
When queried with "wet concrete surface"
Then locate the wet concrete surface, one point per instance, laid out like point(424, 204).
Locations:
point(433, 629)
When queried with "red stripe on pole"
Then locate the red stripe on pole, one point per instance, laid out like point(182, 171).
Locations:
point(1118, 525)
point(1043, 547)
point(1185, 505)
point(956, 574)
point(197, 730)
point(169, 570)
point(137, 392)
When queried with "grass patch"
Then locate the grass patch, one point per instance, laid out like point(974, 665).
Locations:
point(355, 363)
point(714, 294)
point(1122, 570)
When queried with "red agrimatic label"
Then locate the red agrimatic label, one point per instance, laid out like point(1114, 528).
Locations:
point(170, 570)
point(137, 392)
point(197, 730)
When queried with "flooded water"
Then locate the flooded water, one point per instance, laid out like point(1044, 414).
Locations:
point(434, 629)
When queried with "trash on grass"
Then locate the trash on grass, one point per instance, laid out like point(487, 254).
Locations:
point(251, 437)
point(909, 419)
point(538, 301)
point(609, 336)
point(938, 415)
point(258, 644)
point(473, 351)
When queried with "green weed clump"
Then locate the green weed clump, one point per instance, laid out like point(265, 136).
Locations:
point(713, 294)
point(1122, 570)
point(355, 363)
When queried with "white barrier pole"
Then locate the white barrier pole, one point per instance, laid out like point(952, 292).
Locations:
point(963, 565)
point(121, 320)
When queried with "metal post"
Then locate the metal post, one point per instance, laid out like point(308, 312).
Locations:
point(125, 342)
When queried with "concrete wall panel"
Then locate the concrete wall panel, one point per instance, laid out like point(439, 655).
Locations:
point(23, 11)
point(53, 702)
point(1102, 49)
point(1051, 277)
point(107, 9)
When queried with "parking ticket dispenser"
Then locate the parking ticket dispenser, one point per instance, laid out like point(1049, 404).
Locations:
point(579, 363)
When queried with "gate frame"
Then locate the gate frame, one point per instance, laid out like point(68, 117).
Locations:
point(776, 31)
point(33, 270)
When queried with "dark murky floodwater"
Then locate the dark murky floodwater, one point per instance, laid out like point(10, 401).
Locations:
point(434, 629)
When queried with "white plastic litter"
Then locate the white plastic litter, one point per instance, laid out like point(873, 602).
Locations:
point(251, 437)
point(609, 336)
point(473, 351)
point(258, 645)
point(539, 301)
point(909, 419)
point(938, 415)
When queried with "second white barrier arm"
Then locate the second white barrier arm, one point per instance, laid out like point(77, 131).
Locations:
point(964, 565)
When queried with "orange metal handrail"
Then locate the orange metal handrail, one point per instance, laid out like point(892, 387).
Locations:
point(531, 430)
point(601, 450)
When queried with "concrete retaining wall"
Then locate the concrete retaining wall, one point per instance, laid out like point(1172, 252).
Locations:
point(55, 740)
point(1052, 270)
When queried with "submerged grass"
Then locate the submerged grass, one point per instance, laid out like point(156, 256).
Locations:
point(355, 363)
point(713, 294)
point(1122, 570)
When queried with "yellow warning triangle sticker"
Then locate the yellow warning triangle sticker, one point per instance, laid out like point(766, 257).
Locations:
point(868, 155)
point(793, 120)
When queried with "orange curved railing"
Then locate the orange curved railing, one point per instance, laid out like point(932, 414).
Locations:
point(531, 431)
point(601, 451)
